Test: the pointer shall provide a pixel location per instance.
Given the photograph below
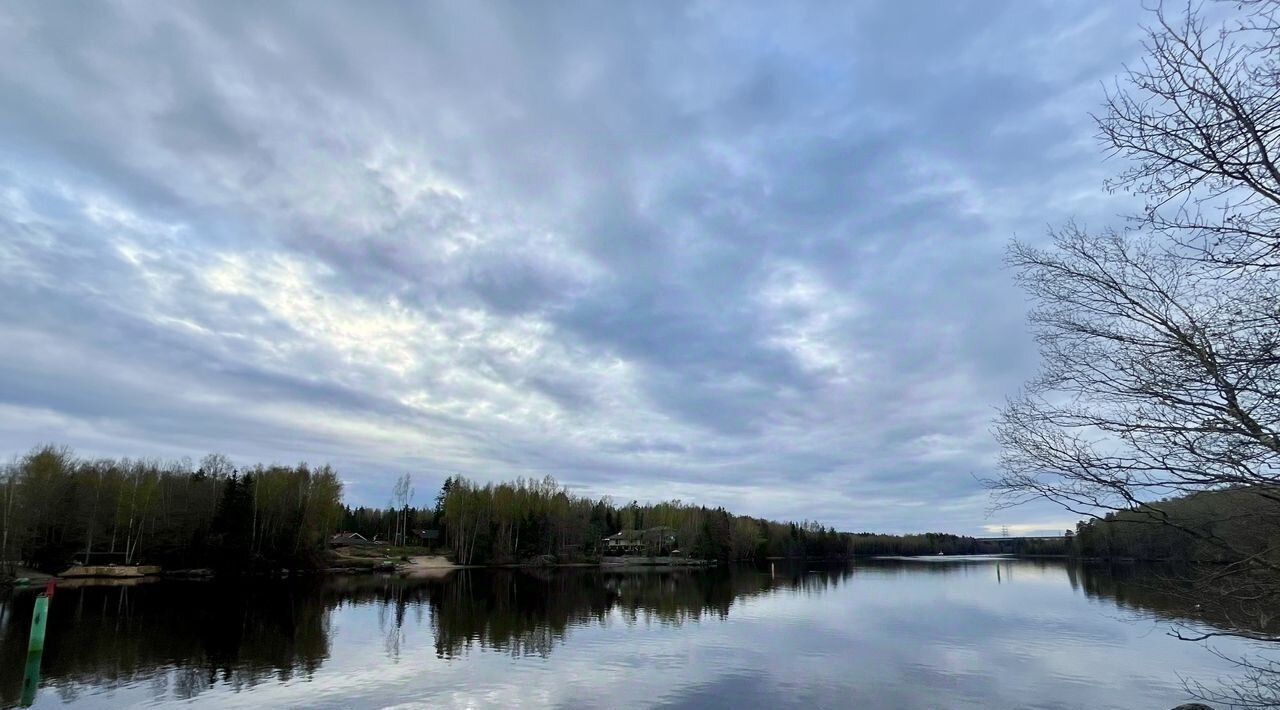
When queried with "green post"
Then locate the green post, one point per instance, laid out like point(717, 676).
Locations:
point(35, 651)
point(31, 679)
point(38, 618)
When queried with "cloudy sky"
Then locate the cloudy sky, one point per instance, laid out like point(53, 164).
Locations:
point(741, 256)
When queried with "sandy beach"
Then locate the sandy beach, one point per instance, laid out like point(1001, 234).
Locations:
point(427, 566)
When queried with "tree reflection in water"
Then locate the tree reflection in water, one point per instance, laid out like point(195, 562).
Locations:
point(184, 638)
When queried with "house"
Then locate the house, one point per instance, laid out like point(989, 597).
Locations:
point(427, 538)
point(349, 539)
point(622, 543)
point(651, 542)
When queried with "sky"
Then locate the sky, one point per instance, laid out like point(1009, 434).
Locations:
point(740, 254)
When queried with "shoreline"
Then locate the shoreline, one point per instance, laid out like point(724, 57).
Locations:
point(439, 566)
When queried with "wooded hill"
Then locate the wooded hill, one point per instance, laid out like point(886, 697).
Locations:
point(1214, 526)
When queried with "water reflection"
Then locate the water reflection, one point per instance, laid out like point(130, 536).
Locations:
point(528, 612)
point(180, 640)
point(109, 636)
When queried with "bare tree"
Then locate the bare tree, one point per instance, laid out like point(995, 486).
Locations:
point(8, 496)
point(1198, 123)
point(1158, 378)
point(401, 495)
point(1160, 342)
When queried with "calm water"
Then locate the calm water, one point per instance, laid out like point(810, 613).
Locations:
point(878, 634)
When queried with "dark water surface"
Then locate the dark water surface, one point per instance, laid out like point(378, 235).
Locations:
point(876, 634)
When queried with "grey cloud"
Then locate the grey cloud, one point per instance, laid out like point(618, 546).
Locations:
point(743, 252)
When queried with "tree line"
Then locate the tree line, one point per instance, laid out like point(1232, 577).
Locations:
point(56, 509)
point(523, 520)
point(866, 543)
point(514, 521)
point(1205, 527)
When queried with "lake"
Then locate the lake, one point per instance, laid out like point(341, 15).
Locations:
point(929, 633)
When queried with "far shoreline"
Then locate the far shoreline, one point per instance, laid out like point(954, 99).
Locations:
point(437, 566)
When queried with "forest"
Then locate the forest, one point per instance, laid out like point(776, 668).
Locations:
point(1221, 526)
point(524, 520)
point(57, 509)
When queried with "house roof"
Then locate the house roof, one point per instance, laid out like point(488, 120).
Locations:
point(637, 535)
point(349, 536)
